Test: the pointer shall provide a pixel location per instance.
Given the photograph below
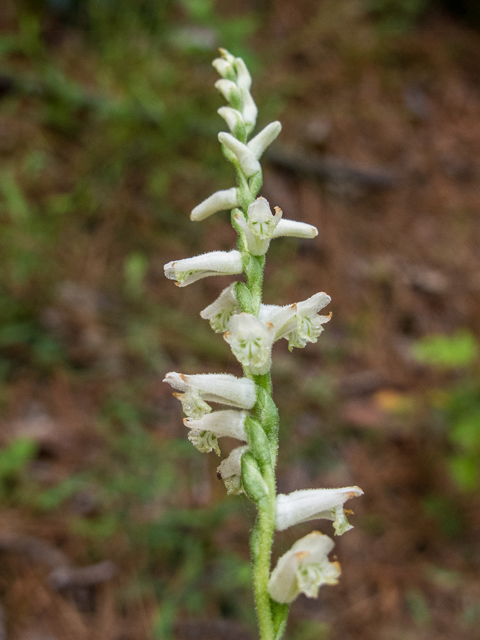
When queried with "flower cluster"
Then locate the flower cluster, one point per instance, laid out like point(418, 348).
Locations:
point(251, 328)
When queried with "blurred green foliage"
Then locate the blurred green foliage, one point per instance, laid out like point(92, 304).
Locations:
point(459, 405)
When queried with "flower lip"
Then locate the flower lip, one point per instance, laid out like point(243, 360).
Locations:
point(304, 569)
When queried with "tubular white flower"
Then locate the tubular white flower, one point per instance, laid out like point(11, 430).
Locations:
point(304, 569)
point(221, 310)
point(251, 342)
point(228, 89)
point(230, 471)
point(311, 504)
point(244, 79)
point(215, 263)
point(211, 387)
point(246, 158)
point(233, 118)
point(295, 229)
point(223, 67)
point(249, 108)
point(205, 430)
point(262, 140)
point(298, 322)
point(259, 226)
point(218, 201)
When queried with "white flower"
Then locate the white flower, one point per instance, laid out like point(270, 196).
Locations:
point(298, 322)
point(228, 89)
point(230, 471)
point(205, 430)
point(215, 263)
point(211, 387)
point(304, 569)
point(259, 225)
point(246, 158)
point(244, 79)
point(219, 201)
point(233, 118)
point(262, 140)
point(249, 109)
point(251, 342)
point(222, 309)
point(295, 229)
point(310, 504)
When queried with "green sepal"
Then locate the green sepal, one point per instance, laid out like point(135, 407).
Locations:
point(267, 413)
point(255, 183)
point(230, 156)
point(240, 133)
point(279, 617)
point(258, 442)
point(236, 100)
point(253, 483)
point(244, 297)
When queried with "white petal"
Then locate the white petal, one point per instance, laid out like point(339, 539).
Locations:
point(232, 117)
point(262, 140)
point(244, 79)
point(261, 220)
point(219, 201)
point(214, 263)
point(310, 504)
point(255, 245)
point(295, 229)
point(249, 108)
point(229, 423)
point(251, 342)
point(221, 310)
point(303, 569)
point(222, 66)
point(227, 88)
point(230, 470)
point(246, 159)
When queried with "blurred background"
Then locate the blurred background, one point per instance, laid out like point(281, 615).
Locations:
point(113, 526)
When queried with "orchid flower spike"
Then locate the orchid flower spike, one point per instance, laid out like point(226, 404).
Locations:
point(211, 387)
point(311, 504)
point(222, 309)
point(230, 471)
point(204, 431)
point(298, 322)
point(215, 263)
point(251, 342)
point(304, 569)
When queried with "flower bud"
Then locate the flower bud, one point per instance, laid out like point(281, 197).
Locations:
point(264, 139)
point(248, 162)
point(219, 201)
point(215, 263)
